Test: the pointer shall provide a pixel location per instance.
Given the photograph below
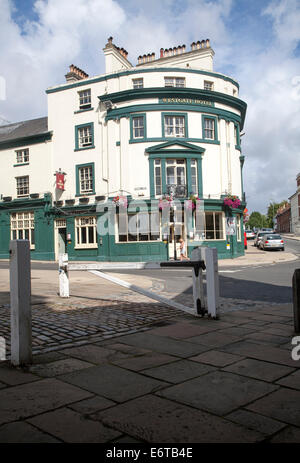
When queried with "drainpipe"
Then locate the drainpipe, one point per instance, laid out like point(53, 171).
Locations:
point(228, 157)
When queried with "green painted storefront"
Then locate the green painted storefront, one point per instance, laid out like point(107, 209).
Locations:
point(45, 215)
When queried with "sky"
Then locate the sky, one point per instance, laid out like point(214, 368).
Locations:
point(256, 42)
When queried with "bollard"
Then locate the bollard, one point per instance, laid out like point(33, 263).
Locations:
point(64, 287)
point(296, 299)
point(2, 348)
point(198, 291)
point(20, 308)
point(210, 256)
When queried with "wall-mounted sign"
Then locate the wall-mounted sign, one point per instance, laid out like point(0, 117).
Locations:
point(186, 101)
point(60, 181)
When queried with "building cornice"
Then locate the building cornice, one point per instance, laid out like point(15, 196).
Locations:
point(25, 141)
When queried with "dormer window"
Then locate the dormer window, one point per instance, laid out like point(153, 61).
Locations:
point(85, 99)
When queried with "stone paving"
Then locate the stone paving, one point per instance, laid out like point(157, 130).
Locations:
point(180, 380)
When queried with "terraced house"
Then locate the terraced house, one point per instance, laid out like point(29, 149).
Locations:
point(168, 127)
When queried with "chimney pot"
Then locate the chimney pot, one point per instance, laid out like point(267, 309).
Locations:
point(161, 53)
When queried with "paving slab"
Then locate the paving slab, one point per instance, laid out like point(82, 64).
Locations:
point(268, 338)
point(125, 348)
point(59, 367)
point(73, 427)
point(164, 345)
point(258, 369)
point(265, 353)
point(155, 419)
point(26, 400)
point(215, 339)
point(47, 357)
point(184, 330)
point(218, 392)
point(257, 422)
point(95, 354)
point(282, 405)
point(216, 358)
point(293, 380)
point(179, 371)
point(238, 330)
point(113, 382)
point(289, 435)
point(142, 362)
point(91, 405)
point(14, 376)
point(21, 432)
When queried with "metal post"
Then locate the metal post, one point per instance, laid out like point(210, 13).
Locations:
point(210, 256)
point(296, 299)
point(198, 291)
point(20, 292)
point(2, 348)
point(64, 287)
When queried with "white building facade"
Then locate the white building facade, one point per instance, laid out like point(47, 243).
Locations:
point(162, 133)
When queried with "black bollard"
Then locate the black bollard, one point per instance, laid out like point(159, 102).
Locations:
point(296, 299)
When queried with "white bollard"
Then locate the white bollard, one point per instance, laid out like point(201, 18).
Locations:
point(64, 287)
point(210, 256)
point(2, 348)
point(20, 293)
point(198, 291)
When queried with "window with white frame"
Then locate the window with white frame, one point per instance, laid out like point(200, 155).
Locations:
point(85, 136)
point(138, 83)
point(85, 99)
point(174, 126)
point(86, 179)
point(194, 178)
point(143, 226)
point(138, 127)
point(86, 232)
point(22, 156)
point(209, 128)
point(22, 227)
point(238, 227)
point(208, 85)
point(213, 226)
point(174, 81)
point(157, 176)
point(22, 186)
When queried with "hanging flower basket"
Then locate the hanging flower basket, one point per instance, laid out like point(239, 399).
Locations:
point(120, 201)
point(165, 202)
point(191, 202)
point(232, 201)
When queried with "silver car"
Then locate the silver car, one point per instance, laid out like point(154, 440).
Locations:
point(259, 236)
point(271, 241)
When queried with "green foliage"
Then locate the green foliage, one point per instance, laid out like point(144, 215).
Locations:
point(257, 220)
point(272, 211)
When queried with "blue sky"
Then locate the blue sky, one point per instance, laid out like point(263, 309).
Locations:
point(255, 42)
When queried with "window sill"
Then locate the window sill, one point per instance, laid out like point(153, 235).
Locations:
point(85, 148)
point(22, 164)
point(90, 246)
point(82, 195)
point(83, 110)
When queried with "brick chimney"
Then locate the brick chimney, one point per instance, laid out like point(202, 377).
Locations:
point(75, 74)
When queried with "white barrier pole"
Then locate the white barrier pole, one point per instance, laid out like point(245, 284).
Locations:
point(210, 256)
point(2, 348)
point(20, 292)
point(198, 292)
point(64, 286)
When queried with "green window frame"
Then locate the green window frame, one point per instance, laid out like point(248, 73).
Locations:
point(215, 128)
point(133, 137)
point(174, 114)
point(78, 147)
point(79, 168)
point(237, 136)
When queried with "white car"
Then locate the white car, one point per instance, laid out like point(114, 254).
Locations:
point(271, 241)
point(250, 235)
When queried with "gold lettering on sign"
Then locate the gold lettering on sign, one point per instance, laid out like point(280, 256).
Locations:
point(187, 101)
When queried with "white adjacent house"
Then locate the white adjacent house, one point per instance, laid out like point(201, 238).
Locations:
point(165, 129)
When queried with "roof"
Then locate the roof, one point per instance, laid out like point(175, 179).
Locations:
point(23, 129)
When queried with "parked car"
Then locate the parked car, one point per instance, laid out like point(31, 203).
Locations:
point(271, 241)
point(259, 236)
point(250, 235)
point(270, 230)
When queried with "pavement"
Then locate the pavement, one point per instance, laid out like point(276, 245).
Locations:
point(112, 366)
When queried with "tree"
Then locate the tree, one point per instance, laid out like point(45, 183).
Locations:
point(257, 220)
point(272, 211)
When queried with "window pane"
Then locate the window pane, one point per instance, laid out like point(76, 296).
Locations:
point(83, 235)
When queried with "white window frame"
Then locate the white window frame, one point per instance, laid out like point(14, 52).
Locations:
point(157, 177)
point(175, 82)
point(202, 234)
point(85, 136)
point(22, 156)
point(173, 124)
point(209, 128)
point(136, 217)
point(136, 130)
point(138, 82)
point(85, 222)
point(22, 226)
point(87, 180)
point(22, 186)
point(208, 85)
point(238, 228)
point(85, 98)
